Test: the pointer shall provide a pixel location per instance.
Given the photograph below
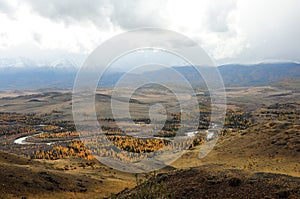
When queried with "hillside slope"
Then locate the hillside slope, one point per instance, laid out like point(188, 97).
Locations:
point(214, 182)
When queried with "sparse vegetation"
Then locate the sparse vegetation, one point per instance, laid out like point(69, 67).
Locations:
point(259, 137)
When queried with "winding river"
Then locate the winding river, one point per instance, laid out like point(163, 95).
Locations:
point(22, 140)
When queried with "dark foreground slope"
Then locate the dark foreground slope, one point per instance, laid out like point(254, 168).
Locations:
point(69, 178)
point(23, 178)
point(212, 181)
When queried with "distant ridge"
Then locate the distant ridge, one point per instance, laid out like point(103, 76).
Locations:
point(258, 74)
point(62, 77)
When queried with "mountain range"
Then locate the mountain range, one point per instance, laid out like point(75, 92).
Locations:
point(25, 74)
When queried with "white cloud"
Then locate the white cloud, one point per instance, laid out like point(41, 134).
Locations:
point(212, 23)
point(230, 30)
point(270, 29)
point(26, 28)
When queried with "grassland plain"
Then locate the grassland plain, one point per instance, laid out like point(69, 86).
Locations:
point(258, 158)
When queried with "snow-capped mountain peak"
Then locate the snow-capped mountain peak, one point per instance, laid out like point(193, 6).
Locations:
point(62, 63)
point(22, 62)
point(17, 62)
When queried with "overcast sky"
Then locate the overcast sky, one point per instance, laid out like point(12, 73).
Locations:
point(231, 31)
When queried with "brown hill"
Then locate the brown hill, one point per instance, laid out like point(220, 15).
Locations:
point(68, 178)
point(214, 182)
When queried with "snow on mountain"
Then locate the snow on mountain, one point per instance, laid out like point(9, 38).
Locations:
point(18, 62)
point(22, 62)
point(62, 63)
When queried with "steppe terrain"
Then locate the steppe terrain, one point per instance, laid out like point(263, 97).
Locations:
point(257, 154)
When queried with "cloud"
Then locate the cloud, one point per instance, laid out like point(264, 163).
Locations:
point(211, 23)
point(134, 14)
point(218, 16)
point(52, 28)
point(5, 7)
point(270, 29)
point(73, 11)
point(129, 14)
point(230, 30)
